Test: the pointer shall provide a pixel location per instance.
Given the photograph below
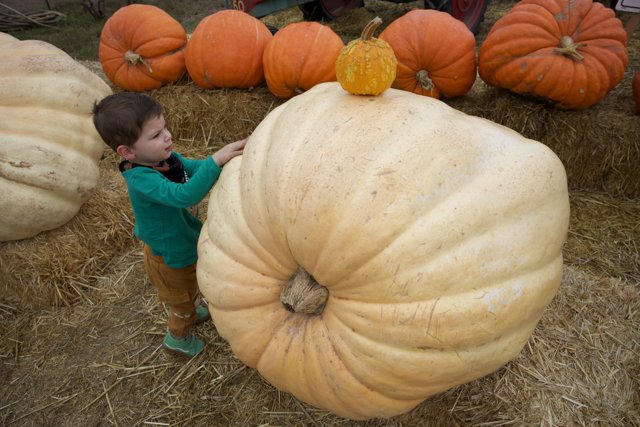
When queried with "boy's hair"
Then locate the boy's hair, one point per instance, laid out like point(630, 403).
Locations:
point(119, 118)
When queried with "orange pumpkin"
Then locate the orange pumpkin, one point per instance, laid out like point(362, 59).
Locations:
point(636, 91)
point(571, 52)
point(424, 67)
point(142, 48)
point(299, 56)
point(225, 50)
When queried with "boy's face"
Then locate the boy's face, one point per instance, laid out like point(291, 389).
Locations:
point(152, 147)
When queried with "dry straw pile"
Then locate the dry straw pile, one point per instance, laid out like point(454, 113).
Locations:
point(81, 326)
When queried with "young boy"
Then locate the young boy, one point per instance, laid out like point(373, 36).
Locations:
point(163, 186)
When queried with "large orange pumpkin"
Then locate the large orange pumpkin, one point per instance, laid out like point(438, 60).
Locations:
point(570, 52)
point(424, 66)
point(225, 50)
point(299, 56)
point(142, 48)
point(367, 252)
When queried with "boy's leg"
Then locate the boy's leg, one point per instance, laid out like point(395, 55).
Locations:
point(178, 289)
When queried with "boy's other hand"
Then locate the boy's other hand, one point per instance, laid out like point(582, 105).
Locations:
point(228, 152)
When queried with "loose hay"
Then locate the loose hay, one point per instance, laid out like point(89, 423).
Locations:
point(581, 367)
point(604, 234)
point(62, 266)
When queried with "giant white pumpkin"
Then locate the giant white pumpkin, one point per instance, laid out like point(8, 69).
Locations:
point(368, 252)
point(49, 148)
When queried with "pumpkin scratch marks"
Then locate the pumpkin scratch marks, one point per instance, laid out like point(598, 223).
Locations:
point(433, 308)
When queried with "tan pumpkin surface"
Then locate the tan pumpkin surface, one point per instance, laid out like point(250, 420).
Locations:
point(438, 237)
point(49, 148)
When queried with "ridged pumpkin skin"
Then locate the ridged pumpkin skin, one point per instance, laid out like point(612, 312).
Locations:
point(225, 50)
point(528, 51)
point(424, 67)
point(49, 148)
point(367, 65)
point(437, 235)
point(636, 91)
point(142, 48)
point(300, 56)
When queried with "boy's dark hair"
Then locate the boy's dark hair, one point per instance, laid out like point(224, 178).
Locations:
point(119, 118)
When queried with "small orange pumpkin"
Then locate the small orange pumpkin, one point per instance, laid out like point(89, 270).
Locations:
point(636, 91)
point(366, 66)
point(424, 67)
point(570, 52)
point(299, 56)
point(225, 50)
point(142, 48)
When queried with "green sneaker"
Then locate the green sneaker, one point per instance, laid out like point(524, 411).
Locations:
point(202, 314)
point(189, 346)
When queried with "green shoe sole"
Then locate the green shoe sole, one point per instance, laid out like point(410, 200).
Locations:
point(190, 346)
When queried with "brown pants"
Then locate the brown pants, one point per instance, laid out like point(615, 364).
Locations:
point(177, 288)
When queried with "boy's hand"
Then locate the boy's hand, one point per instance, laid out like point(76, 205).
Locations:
point(228, 152)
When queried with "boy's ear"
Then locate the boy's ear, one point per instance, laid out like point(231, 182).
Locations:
point(125, 152)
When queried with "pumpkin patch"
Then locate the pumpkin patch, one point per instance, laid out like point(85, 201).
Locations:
point(366, 299)
point(321, 205)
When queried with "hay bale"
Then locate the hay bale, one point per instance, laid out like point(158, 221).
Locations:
point(604, 233)
point(62, 266)
point(201, 121)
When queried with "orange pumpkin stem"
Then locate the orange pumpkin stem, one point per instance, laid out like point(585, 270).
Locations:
point(370, 28)
point(567, 47)
point(133, 58)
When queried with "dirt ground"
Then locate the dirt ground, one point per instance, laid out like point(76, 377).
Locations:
point(85, 365)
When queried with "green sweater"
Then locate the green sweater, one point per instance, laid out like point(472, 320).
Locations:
point(159, 205)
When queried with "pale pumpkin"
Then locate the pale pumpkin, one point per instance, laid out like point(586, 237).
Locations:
point(425, 244)
point(49, 148)
point(367, 65)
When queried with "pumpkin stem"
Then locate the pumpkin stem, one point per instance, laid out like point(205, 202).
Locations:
point(133, 58)
point(370, 28)
point(422, 77)
point(567, 47)
point(303, 294)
